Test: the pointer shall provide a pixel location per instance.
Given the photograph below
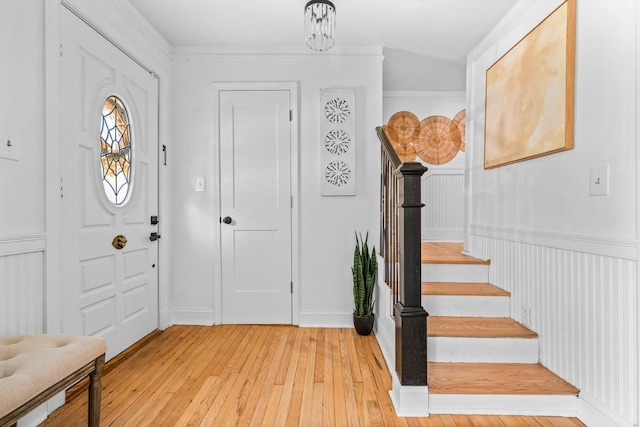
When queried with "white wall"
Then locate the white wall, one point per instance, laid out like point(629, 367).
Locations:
point(570, 257)
point(22, 210)
point(442, 186)
point(327, 224)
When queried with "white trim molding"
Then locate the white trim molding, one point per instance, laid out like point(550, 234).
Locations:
point(409, 401)
point(594, 414)
point(192, 317)
point(598, 245)
point(326, 319)
point(25, 244)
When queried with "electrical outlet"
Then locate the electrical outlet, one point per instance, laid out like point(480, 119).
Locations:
point(526, 316)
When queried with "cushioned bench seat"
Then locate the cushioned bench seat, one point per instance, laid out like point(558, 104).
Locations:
point(34, 368)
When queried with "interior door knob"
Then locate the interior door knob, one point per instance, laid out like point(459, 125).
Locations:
point(227, 220)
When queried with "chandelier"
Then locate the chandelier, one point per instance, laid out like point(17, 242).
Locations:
point(320, 24)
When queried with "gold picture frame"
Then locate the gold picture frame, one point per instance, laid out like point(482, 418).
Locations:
point(530, 93)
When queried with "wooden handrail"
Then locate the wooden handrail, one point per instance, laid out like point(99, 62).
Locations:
point(400, 245)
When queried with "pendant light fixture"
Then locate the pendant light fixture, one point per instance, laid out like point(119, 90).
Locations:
point(320, 24)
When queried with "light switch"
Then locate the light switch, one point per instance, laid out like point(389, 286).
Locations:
point(599, 181)
point(200, 184)
point(9, 148)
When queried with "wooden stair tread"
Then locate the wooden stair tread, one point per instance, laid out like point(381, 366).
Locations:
point(447, 253)
point(462, 289)
point(477, 327)
point(495, 378)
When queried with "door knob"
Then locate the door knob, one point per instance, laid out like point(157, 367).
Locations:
point(227, 220)
point(119, 241)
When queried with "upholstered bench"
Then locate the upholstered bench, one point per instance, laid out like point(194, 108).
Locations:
point(34, 368)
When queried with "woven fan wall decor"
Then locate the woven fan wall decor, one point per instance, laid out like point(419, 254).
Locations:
point(459, 119)
point(439, 140)
point(406, 151)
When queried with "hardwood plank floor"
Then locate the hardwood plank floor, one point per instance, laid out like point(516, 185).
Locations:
point(462, 289)
point(477, 327)
point(447, 253)
point(495, 378)
point(232, 375)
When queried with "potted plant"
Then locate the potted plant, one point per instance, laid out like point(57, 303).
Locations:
point(364, 270)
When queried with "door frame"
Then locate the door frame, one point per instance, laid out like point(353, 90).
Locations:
point(292, 87)
point(53, 282)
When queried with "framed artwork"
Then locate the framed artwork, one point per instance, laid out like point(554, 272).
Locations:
point(530, 91)
point(337, 142)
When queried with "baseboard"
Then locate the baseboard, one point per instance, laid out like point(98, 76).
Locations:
point(409, 401)
point(593, 414)
point(520, 405)
point(326, 319)
point(192, 317)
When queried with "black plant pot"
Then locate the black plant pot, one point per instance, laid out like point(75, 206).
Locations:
point(363, 325)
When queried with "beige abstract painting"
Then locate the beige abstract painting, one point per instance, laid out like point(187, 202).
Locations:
point(529, 93)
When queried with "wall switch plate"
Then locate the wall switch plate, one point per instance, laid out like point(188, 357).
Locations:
point(599, 181)
point(200, 184)
point(9, 148)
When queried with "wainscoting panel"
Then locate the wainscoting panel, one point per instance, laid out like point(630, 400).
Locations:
point(584, 307)
point(21, 286)
point(443, 213)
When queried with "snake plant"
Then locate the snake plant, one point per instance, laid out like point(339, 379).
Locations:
point(364, 270)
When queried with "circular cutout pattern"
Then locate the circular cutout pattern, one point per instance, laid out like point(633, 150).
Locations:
point(406, 125)
point(337, 110)
point(459, 119)
point(337, 141)
point(337, 173)
point(406, 152)
point(439, 140)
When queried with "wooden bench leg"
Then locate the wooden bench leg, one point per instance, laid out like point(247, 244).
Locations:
point(95, 392)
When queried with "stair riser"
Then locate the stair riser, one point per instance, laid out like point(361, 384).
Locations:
point(474, 306)
point(488, 404)
point(473, 273)
point(482, 350)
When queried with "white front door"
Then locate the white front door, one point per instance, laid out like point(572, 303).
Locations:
point(255, 206)
point(109, 188)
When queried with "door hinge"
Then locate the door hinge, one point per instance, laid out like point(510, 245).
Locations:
point(291, 287)
point(291, 202)
point(60, 49)
point(290, 115)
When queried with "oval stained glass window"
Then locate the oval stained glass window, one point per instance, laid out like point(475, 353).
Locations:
point(115, 150)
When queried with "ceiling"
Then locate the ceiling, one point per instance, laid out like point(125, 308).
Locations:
point(446, 29)
point(438, 31)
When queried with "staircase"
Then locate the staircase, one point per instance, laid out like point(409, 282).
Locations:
point(480, 360)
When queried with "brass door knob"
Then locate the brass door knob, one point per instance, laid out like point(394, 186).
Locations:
point(119, 241)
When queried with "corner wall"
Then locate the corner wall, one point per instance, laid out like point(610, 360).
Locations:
point(569, 257)
point(326, 224)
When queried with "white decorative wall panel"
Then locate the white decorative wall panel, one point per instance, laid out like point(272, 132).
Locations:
point(583, 306)
point(21, 286)
point(338, 142)
point(443, 213)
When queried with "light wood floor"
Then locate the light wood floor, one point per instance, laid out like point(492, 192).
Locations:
point(447, 253)
point(259, 375)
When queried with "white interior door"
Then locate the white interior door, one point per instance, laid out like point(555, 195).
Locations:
point(255, 203)
point(109, 161)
